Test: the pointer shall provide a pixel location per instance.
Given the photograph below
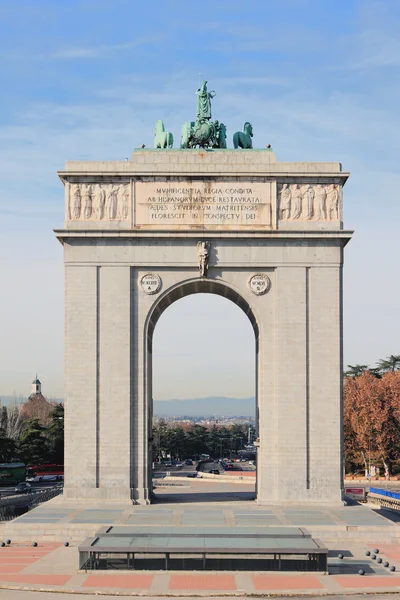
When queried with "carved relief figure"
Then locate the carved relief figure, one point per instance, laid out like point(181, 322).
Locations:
point(125, 201)
point(101, 201)
point(112, 202)
point(285, 200)
point(203, 254)
point(297, 202)
point(87, 202)
point(320, 203)
point(333, 202)
point(309, 203)
point(76, 210)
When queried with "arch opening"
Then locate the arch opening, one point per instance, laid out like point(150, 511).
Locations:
point(171, 296)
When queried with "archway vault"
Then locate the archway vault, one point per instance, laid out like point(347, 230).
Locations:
point(197, 286)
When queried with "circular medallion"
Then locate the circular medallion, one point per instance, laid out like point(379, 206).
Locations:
point(259, 283)
point(150, 283)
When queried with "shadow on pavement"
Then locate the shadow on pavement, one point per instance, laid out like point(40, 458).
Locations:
point(182, 498)
point(391, 515)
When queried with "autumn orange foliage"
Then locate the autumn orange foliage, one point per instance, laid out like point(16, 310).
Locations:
point(371, 415)
point(37, 407)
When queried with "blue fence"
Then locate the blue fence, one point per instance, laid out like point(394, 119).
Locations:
point(387, 493)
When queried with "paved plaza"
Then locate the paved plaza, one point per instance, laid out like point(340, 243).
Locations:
point(54, 567)
point(350, 530)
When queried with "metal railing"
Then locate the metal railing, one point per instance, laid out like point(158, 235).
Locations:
point(13, 507)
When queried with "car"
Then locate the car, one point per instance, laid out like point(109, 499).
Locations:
point(23, 488)
point(188, 461)
point(192, 474)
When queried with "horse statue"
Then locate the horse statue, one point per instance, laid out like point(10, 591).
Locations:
point(221, 136)
point(186, 135)
point(162, 138)
point(242, 139)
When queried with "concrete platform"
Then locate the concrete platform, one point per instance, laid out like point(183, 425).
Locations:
point(350, 530)
point(201, 503)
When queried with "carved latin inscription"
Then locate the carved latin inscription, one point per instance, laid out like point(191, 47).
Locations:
point(259, 283)
point(150, 283)
point(318, 202)
point(99, 201)
point(203, 204)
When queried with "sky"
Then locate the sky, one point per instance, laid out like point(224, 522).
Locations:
point(87, 79)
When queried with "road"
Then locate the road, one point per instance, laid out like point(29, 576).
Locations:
point(39, 486)
point(182, 471)
point(204, 467)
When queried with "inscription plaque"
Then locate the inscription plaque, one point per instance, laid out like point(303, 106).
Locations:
point(259, 283)
point(211, 204)
point(150, 283)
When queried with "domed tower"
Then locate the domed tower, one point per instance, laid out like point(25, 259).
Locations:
point(36, 386)
point(36, 407)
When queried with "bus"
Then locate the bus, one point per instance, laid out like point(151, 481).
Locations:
point(12, 473)
point(46, 472)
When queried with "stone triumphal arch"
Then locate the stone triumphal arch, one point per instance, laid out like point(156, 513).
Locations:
point(143, 233)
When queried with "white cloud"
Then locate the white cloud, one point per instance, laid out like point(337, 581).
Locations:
point(307, 115)
point(100, 51)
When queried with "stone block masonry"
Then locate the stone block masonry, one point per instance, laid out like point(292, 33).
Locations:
point(191, 221)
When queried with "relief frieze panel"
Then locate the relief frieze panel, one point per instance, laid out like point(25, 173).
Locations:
point(150, 203)
point(309, 202)
point(99, 201)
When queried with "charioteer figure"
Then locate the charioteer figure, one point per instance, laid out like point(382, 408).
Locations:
point(203, 132)
point(204, 102)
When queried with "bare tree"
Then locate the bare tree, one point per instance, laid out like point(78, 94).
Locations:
point(15, 421)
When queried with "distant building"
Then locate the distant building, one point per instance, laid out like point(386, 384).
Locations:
point(36, 387)
point(36, 407)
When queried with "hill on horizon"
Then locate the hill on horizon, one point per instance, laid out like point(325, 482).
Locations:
point(213, 405)
point(219, 406)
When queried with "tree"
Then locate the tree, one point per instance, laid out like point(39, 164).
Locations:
point(160, 439)
point(355, 370)
point(238, 436)
point(14, 423)
point(391, 363)
point(3, 419)
point(370, 419)
point(197, 440)
point(33, 446)
point(7, 445)
point(183, 440)
point(55, 434)
point(38, 408)
point(7, 449)
point(215, 441)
